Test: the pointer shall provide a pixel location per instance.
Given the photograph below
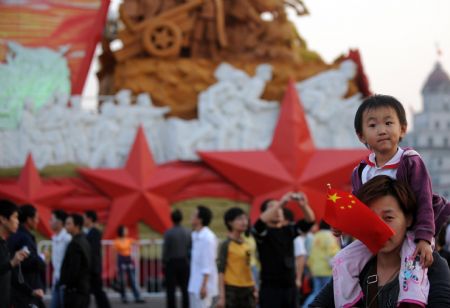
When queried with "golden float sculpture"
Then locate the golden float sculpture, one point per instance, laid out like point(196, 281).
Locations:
point(172, 47)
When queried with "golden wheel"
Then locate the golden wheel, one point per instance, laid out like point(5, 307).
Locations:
point(162, 39)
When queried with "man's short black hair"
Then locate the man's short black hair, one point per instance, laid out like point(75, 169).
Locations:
point(204, 214)
point(176, 216)
point(60, 215)
point(265, 205)
point(91, 215)
point(26, 211)
point(7, 208)
point(323, 225)
point(231, 214)
point(78, 220)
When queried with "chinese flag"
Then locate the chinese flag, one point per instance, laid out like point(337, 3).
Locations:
point(346, 213)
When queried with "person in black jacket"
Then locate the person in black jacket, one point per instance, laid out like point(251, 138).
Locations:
point(175, 257)
point(27, 284)
point(275, 242)
point(94, 238)
point(9, 222)
point(75, 269)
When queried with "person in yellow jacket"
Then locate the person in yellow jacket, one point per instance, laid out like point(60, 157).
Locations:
point(236, 285)
point(324, 248)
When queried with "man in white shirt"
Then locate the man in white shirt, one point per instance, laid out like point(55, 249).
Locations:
point(203, 280)
point(300, 259)
point(60, 240)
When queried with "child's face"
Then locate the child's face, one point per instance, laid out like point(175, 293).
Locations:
point(381, 130)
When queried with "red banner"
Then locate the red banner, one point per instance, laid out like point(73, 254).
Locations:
point(55, 23)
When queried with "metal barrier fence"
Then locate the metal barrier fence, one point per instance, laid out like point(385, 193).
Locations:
point(145, 253)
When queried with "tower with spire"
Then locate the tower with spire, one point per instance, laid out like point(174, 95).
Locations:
point(431, 132)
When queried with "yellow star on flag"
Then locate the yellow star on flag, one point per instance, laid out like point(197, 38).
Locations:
point(334, 197)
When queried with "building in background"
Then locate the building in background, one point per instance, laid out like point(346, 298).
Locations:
point(431, 132)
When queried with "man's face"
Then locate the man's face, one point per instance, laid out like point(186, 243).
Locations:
point(33, 221)
point(11, 224)
point(278, 218)
point(55, 223)
point(70, 226)
point(87, 221)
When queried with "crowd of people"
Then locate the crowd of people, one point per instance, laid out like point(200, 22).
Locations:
point(259, 265)
point(76, 260)
point(276, 262)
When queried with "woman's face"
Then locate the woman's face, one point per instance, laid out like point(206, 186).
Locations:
point(388, 209)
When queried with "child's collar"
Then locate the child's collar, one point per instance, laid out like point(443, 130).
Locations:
point(393, 163)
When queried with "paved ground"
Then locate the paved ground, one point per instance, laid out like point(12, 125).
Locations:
point(157, 300)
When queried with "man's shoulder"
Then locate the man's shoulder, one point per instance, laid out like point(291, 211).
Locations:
point(94, 233)
point(176, 230)
point(207, 234)
point(80, 240)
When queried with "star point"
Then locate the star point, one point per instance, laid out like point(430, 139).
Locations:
point(30, 189)
point(141, 190)
point(291, 163)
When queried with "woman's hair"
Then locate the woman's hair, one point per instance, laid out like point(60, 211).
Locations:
point(383, 185)
point(377, 101)
point(121, 230)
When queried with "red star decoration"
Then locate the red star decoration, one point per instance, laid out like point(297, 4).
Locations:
point(140, 190)
point(291, 163)
point(30, 189)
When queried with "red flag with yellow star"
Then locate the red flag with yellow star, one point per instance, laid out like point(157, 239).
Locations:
point(348, 214)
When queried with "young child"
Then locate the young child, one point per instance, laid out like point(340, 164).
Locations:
point(236, 285)
point(380, 123)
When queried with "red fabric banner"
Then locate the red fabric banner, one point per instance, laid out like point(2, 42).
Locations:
point(55, 23)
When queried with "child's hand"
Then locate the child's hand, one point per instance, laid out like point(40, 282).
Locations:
point(336, 232)
point(423, 248)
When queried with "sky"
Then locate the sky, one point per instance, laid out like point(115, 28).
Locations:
point(397, 40)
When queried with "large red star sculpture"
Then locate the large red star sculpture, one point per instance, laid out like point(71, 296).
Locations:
point(291, 163)
point(29, 189)
point(139, 191)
